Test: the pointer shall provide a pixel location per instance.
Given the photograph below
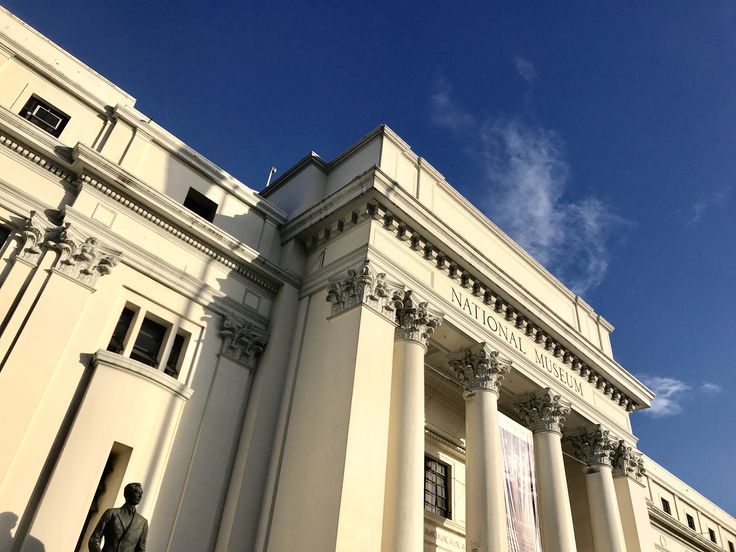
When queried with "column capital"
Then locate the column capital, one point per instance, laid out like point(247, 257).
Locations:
point(364, 286)
point(36, 231)
point(82, 257)
point(242, 342)
point(543, 410)
point(479, 367)
point(593, 446)
point(414, 320)
point(627, 461)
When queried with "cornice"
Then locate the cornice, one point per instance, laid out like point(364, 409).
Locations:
point(167, 274)
point(140, 370)
point(87, 166)
point(329, 219)
point(678, 529)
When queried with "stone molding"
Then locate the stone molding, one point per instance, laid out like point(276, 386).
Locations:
point(479, 367)
point(543, 411)
point(628, 461)
point(82, 257)
point(242, 341)
point(184, 235)
point(593, 446)
point(34, 235)
point(364, 286)
point(142, 371)
point(415, 321)
point(455, 271)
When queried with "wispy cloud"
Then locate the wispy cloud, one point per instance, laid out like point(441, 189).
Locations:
point(526, 172)
point(445, 113)
point(672, 393)
point(526, 69)
point(709, 388)
point(669, 392)
point(703, 204)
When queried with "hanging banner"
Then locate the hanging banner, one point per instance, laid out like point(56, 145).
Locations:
point(520, 487)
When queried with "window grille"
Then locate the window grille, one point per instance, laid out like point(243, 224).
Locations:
point(436, 495)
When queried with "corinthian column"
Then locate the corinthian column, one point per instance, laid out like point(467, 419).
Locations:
point(596, 450)
point(544, 413)
point(404, 502)
point(480, 371)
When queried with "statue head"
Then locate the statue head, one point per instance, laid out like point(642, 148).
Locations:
point(133, 493)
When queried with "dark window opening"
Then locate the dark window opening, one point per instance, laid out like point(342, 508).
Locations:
point(4, 235)
point(730, 547)
point(200, 204)
point(117, 341)
point(690, 521)
point(666, 506)
point(436, 496)
point(44, 116)
point(148, 343)
point(712, 535)
point(172, 364)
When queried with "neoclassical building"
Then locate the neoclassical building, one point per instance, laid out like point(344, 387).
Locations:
point(354, 358)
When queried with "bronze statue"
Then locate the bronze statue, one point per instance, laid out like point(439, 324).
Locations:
point(123, 529)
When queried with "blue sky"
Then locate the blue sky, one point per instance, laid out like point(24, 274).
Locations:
point(602, 137)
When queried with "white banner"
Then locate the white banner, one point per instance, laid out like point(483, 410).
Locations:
point(520, 487)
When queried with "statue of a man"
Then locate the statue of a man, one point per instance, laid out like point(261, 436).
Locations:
point(123, 529)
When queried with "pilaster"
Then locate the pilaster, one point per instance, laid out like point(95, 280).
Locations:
point(628, 473)
point(59, 296)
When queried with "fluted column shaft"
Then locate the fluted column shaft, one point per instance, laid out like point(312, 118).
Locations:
point(481, 373)
point(596, 450)
point(404, 502)
point(544, 413)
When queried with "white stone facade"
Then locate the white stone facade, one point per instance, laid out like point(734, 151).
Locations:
point(275, 371)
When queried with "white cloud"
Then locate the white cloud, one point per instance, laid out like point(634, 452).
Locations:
point(526, 69)
point(709, 388)
point(669, 393)
point(526, 173)
point(703, 204)
point(445, 113)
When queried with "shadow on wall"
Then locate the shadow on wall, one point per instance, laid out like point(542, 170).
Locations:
point(8, 521)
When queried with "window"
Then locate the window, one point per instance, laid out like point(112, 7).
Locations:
point(666, 506)
point(730, 546)
point(117, 341)
point(149, 339)
point(44, 116)
point(712, 535)
point(148, 343)
point(200, 204)
point(690, 521)
point(4, 235)
point(436, 496)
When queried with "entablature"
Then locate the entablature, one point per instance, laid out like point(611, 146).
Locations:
point(372, 196)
